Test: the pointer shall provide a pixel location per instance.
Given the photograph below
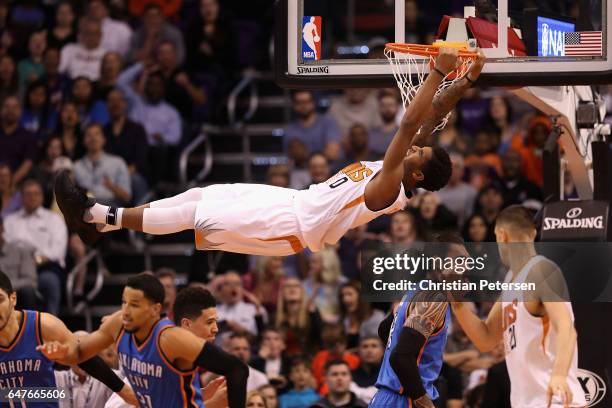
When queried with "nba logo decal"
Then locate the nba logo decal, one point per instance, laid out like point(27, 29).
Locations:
point(311, 38)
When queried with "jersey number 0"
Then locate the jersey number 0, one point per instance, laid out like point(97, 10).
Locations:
point(354, 172)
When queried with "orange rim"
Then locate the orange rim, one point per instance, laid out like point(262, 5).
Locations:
point(426, 50)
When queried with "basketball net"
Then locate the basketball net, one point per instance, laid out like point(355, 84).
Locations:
point(410, 70)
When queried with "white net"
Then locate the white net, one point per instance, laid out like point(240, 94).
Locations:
point(411, 70)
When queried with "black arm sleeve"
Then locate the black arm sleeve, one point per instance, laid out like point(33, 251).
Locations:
point(404, 362)
point(97, 368)
point(212, 358)
point(385, 327)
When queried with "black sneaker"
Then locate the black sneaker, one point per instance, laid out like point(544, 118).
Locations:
point(73, 202)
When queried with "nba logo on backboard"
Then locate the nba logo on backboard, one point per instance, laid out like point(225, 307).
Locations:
point(311, 38)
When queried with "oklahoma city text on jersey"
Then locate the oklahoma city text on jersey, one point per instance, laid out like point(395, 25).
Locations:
point(444, 285)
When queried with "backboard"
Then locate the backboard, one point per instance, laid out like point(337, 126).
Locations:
point(340, 43)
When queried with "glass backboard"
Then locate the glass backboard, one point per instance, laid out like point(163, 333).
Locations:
point(340, 43)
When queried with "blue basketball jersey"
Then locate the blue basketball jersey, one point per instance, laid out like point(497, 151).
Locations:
point(429, 360)
point(155, 381)
point(21, 365)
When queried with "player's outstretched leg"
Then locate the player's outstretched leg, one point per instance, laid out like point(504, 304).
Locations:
point(89, 219)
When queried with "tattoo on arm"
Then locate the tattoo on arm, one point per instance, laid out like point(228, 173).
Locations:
point(427, 312)
point(442, 104)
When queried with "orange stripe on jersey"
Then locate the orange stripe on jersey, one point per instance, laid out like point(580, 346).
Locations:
point(353, 203)
point(183, 393)
point(165, 359)
point(294, 241)
point(24, 319)
point(545, 329)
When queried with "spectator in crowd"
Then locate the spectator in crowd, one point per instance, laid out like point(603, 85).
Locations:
point(9, 79)
point(91, 111)
point(497, 387)
point(356, 105)
point(458, 196)
point(240, 346)
point(116, 35)
point(416, 28)
point(530, 147)
point(371, 351)
point(85, 391)
point(516, 189)
point(450, 137)
point(17, 145)
point(381, 136)
point(406, 228)
point(122, 135)
point(103, 174)
point(17, 262)
point(317, 132)
point(270, 395)
point(357, 316)
point(11, 197)
point(265, 281)
point(44, 172)
point(45, 231)
point(153, 31)
point(167, 277)
point(489, 203)
point(39, 115)
point(358, 146)
point(255, 399)
point(84, 58)
point(278, 175)
point(271, 359)
point(57, 84)
point(484, 163)
point(297, 318)
point(161, 121)
point(211, 42)
point(434, 214)
point(298, 155)
point(338, 381)
point(302, 394)
point(318, 168)
point(69, 131)
point(472, 109)
point(334, 340)
point(112, 64)
point(500, 117)
point(323, 282)
point(351, 244)
point(31, 68)
point(234, 313)
point(63, 31)
point(181, 92)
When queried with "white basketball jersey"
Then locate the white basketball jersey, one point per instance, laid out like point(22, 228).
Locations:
point(326, 211)
point(530, 347)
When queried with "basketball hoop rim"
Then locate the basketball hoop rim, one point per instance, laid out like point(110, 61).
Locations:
point(431, 50)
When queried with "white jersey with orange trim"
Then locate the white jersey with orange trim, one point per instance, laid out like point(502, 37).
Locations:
point(326, 211)
point(530, 348)
point(259, 219)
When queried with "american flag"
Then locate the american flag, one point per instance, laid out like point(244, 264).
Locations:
point(583, 44)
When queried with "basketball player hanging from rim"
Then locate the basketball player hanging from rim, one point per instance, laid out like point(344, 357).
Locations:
point(266, 220)
point(537, 327)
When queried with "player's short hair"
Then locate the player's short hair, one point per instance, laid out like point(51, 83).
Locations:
point(516, 216)
point(5, 283)
point(436, 171)
point(190, 302)
point(336, 362)
point(149, 285)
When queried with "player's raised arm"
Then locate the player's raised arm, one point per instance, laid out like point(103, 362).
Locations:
point(485, 335)
point(61, 343)
point(183, 347)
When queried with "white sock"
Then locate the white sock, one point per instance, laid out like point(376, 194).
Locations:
point(98, 214)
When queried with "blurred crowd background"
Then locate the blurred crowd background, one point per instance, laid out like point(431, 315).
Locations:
point(114, 90)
